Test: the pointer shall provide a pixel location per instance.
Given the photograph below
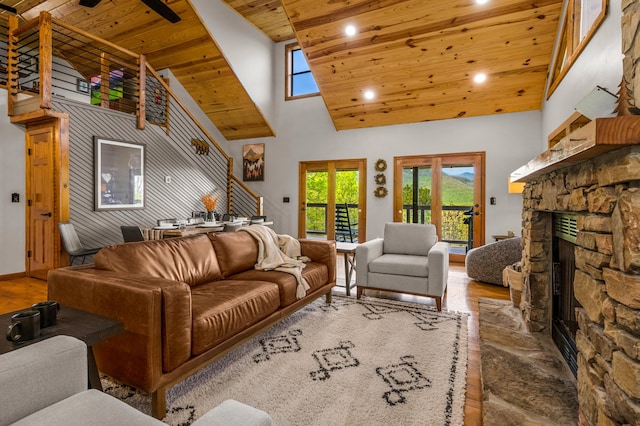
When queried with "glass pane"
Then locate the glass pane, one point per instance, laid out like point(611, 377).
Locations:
point(316, 204)
point(298, 62)
point(589, 11)
point(416, 194)
point(347, 182)
point(302, 84)
point(457, 205)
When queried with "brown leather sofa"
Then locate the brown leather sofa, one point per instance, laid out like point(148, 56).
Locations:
point(185, 302)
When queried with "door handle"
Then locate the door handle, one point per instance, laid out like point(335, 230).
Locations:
point(45, 214)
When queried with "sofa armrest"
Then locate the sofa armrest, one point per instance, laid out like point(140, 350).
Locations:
point(365, 253)
point(156, 314)
point(321, 251)
point(438, 268)
point(41, 374)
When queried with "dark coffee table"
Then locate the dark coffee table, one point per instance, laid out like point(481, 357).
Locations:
point(88, 327)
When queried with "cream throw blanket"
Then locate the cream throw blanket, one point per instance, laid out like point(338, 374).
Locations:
point(279, 253)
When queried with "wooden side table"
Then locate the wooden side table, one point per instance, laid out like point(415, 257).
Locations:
point(88, 327)
point(349, 252)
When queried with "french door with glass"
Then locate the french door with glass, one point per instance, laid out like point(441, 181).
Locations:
point(446, 190)
point(322, 186)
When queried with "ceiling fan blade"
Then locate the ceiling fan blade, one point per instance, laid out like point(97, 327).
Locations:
point(9, 9)
point(163, 10)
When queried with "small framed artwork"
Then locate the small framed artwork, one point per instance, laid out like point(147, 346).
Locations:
point(119, 175)
point(82, 85)
point(253, 162)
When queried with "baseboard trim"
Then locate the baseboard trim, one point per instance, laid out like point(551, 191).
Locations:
point(15, 276)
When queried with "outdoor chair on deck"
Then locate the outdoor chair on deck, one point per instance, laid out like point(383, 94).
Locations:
point(345, 230)
point(72, 245)
point(131, 233)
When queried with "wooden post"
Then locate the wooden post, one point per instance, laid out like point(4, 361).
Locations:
point(104, 80)
point(142, 91)
point(12, 65)
point(229, 186)
point(46, 60)
point(260, 206)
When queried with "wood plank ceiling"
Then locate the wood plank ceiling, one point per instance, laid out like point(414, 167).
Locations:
point(419, 57)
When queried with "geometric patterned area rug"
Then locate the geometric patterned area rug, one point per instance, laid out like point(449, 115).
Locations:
point(354, 362)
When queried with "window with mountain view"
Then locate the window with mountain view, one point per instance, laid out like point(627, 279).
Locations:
point(300, 82)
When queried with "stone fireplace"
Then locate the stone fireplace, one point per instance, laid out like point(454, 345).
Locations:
point(603, 192)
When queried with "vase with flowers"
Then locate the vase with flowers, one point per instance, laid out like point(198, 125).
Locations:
point(210, 201)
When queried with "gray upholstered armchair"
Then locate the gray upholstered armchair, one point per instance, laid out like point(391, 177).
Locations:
point(409, 259)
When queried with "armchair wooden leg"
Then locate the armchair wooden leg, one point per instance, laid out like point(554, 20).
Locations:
point(359, 291)
point(438, 303)
point(328, 297)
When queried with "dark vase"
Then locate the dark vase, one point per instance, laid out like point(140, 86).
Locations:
point(210, 216)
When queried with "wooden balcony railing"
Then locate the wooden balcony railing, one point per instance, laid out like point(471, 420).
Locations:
point(47, 58)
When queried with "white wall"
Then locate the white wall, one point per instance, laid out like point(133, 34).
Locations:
point(248, 51)
point(599, 64)
point(12, 179)
point(305, 132)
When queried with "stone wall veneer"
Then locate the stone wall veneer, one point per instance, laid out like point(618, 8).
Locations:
point(605, 195)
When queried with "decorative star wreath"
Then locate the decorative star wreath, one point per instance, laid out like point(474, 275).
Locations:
point(380, 165)
point(380, 179)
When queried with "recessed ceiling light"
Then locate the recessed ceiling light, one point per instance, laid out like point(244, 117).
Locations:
point(480, 78)
point(369, 94)
point(350, 30)
point(482, 1)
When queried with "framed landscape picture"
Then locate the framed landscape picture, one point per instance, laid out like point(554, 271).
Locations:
point(119, 175)
point(253, 162)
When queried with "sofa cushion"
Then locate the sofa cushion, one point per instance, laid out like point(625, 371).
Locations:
point(224, 308)
point(190, 260)
point(400, 264)
point(409, 238)
point(236, 251)
point(316, 274)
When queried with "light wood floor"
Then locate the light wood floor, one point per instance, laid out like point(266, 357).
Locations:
point(462, 295)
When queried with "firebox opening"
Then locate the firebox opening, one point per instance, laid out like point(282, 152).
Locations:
point(564, 325)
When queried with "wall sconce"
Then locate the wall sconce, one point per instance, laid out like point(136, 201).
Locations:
point(515, 187)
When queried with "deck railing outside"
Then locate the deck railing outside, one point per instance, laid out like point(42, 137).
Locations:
point(456, 222)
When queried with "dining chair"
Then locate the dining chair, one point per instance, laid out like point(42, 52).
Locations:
point(257, 220)
point(228, 217)
point(71, 243)
point(231, 227)
point(131, 233)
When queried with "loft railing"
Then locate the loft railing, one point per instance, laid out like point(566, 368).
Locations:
point(46, 58)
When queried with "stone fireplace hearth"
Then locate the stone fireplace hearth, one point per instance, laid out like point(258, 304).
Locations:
point(604, 193)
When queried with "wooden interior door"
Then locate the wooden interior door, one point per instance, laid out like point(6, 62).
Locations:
point(40, 201)
point(446, 190)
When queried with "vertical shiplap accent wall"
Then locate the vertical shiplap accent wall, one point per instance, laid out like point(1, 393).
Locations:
point(191, 175)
